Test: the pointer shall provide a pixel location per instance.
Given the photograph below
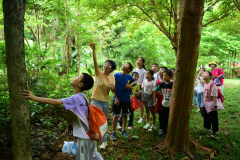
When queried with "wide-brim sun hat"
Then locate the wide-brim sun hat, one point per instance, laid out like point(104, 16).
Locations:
point(213, 62)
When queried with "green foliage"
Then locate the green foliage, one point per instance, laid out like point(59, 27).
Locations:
point(220, 47)
point(227, 144)
point(122, 32)
point(149, 145)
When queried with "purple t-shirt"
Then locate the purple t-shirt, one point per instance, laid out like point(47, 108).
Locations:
point(79, 107)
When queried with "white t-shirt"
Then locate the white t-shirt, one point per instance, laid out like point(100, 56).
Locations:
point(199, 87)
point(148, 87)
point(141, 73)
point(155, 76)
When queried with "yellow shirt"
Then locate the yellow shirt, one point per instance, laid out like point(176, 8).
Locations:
point(101, 87)
point(134, 90)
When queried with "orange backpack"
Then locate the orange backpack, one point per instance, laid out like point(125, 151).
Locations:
point(97, 121)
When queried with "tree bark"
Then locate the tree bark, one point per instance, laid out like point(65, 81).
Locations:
point(178, 136)
point(14, 11)
point(68, 37)
point(79, 45)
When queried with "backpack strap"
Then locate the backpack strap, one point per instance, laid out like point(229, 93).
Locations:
point(83, 124)
point(84, 97)
point(211, 85)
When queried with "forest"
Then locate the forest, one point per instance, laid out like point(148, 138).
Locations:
point(50, 39)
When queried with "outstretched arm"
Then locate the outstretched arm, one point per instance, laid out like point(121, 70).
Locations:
point(96, 68)
point(27, 94)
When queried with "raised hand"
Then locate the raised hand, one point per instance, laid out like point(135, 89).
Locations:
point(92, 45)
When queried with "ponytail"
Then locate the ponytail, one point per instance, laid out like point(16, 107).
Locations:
point(144, 66)
point(143, 60)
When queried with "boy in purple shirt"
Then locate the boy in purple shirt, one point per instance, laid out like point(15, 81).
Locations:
point(78, 105)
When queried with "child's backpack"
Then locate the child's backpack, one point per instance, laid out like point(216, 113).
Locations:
point(97, 121)
point(220, 96)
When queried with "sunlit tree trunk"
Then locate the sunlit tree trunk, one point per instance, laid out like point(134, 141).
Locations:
point(14, 11)
point(178, 137)
point(79, 45)
point(68, 39)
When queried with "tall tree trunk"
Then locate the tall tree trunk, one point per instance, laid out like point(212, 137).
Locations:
point(69, 56)
point(14, 11)
point(79, 45)
point(178, 136)
point(100, 43)
point(68, 39)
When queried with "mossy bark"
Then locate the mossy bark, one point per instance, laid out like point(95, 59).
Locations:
point(178, 136)
point(14, 11)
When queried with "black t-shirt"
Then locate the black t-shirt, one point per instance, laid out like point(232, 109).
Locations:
point(166, 89)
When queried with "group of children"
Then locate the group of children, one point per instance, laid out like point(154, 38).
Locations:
point(153, 87)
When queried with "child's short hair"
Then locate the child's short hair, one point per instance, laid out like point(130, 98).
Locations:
point(169, 72)
point(210, 74)
point(130, 66)
point(165, 68)
point(155, 64)
point(202, 68)
point(134, 73)
point(87, 81)
point(113, 64)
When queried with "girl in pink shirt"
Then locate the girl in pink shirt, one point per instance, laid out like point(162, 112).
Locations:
point(210, 94)
point(217, 73)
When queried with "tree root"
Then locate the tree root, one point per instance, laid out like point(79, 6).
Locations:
point(195, 148)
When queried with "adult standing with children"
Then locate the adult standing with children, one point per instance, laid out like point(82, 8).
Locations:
point(104, 82)
point(218, 75)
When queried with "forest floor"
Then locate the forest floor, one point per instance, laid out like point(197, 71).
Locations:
point(144, 145)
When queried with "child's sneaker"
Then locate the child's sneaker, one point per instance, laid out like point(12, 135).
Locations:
point(104, 145)
point(140, 120)
point(208, 131)
point(113, 136)
point(119, 126)
point(152, 128)
point(197, 110)
point(124, 133)
point(130, 127)
point(146, 126)
point(214, 135)
point(161, 132)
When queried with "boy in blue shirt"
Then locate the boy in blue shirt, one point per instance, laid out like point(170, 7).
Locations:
point(121, 100)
